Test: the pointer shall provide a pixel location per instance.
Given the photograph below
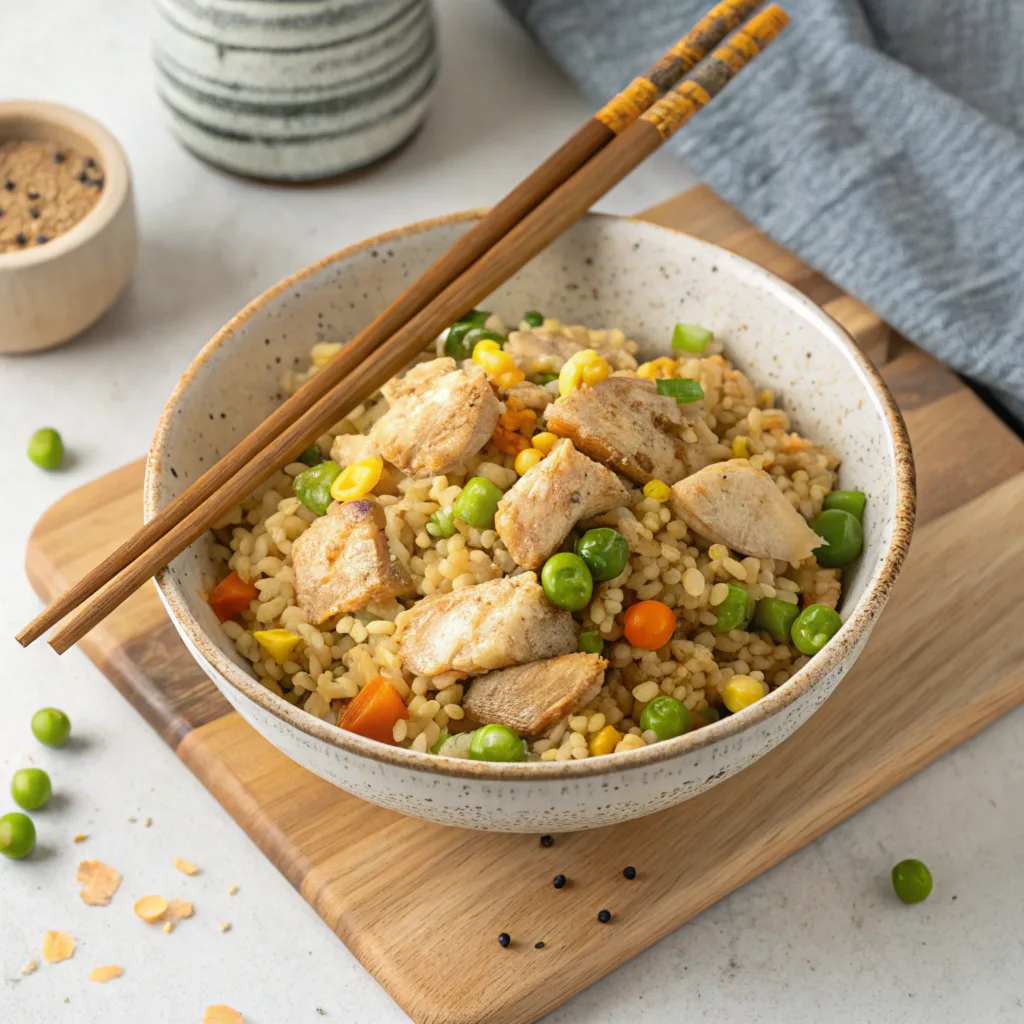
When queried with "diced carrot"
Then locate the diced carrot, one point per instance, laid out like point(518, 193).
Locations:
point(231, 597)
point(374, 711)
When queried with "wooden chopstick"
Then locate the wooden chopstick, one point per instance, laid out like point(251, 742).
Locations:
point(538, 229)
point(588, 140)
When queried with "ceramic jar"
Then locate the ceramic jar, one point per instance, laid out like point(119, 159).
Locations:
point(294, 90)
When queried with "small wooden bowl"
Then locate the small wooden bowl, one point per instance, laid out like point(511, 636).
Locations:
point(50, 293)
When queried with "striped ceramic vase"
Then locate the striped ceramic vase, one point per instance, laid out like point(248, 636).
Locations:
point(294, 90)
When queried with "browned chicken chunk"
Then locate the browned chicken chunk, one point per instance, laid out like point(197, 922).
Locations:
point(533, 396)
point(507, 621)
point(734, 504)
point(343, 563)
point(625, 422)
point(437, 419)
point(538, 511)
point(550, 353)
point(531, 698)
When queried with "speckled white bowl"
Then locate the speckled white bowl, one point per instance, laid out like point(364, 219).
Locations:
point(605, 271)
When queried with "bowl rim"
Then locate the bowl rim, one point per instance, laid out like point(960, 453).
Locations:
point(860, 619)
point(112, 160)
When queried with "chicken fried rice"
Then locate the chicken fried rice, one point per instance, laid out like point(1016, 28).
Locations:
point(529, 546)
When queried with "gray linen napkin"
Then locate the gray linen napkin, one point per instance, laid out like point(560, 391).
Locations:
point(880, 140)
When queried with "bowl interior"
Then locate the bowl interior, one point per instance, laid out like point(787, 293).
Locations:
point(605, 272)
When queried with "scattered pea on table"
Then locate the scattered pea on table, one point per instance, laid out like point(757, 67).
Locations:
point(46, 448)
point(911, 881)
point(17, 835)
point(51, 727)
point(31, 788)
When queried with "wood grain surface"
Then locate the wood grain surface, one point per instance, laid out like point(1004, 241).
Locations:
point(381, 880)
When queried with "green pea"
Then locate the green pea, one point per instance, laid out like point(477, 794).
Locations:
point(31, 788)
point(666, 717)
point(51, 726)
point(775, 617)
point(567, 581)
point(843, 535)
point(17, 835)
point(463, 336)
point(440, 523)
point(847, 501)
point(496, 743)
point(46, 449)
point(590, 642)
point(545, 378)
point(312, 456)
point(814, 627)
point(533, 318)
point(703, 716)
point(682, 389)
point(691, 338)
point(605, 551)
point(313, 486)
point(476, 317)
point(911, 881)
point(477, 503)
point(735, 611)
point(442, 739)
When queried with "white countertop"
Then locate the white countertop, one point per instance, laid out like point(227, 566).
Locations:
point(819, 938)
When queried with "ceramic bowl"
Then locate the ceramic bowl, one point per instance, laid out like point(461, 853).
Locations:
point(49, 293)
point(604, 271)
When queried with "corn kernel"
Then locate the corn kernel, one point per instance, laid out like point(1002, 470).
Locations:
point(570, 378)
point(604, 741)
point(357, 480)
point(488, 345)
point(740, 448)
point(544, 442)
point(510, 378)
point(596, 371)
point(658, 490)
point(278, 643)
point(527, 459)
point(647, 371)
point(742, 691)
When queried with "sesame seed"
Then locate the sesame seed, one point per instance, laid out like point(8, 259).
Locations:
point(83, 177)
point(558, 881)
point(41, 239)
point(9, 185)
point(59, 157)
point(547, 840)
point(32, 195)
point(34, 213)
point(538, 945)
point(504, 940)
point(629, 873)
point(604, 916)
point(21, 238)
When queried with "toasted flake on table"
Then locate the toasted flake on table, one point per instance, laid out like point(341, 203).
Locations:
point(99, 882)
point(80, 837)
point(221, 1014)
point(147, 822)
point(30, 967)
point(179, 910)
point(225, 926)
point(151, 908)
point(168, 927)
point(58, 946)
point(185, 867)
point(233, 890)
point(106, 973)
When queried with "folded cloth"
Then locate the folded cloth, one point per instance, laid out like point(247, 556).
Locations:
point(882, 141)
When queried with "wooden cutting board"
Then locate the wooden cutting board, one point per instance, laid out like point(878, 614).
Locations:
point(421, 905)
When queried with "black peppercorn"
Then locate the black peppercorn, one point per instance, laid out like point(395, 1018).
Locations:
point(34, 213)
point(504, 939)
point(59, 157)
point(629, 873)
point(32, 195)
point(42, 239)
point(21, 238)
point(604, 916)
point(547, 840)
point(9, 185)
point(538, 945)
point(558, 881)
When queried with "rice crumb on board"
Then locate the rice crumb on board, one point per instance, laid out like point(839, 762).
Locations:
point(99, 882)
point(106, 973)
point(225, 926)
point(58, 946)
point(151, 908)
point(232, 890)
point(31, 966)
point(168, 927)
point(221, 1014)
point(147, 823)
point(186, 867)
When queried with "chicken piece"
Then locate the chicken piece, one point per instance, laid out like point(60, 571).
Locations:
point(436, 420)
point(625, 422)
point(548, 354)
point(532, 396)
point(342, 562)
point(732, 503)
point(531, 698)
point(349, 448)
point(538, 511)
point(507, 621)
